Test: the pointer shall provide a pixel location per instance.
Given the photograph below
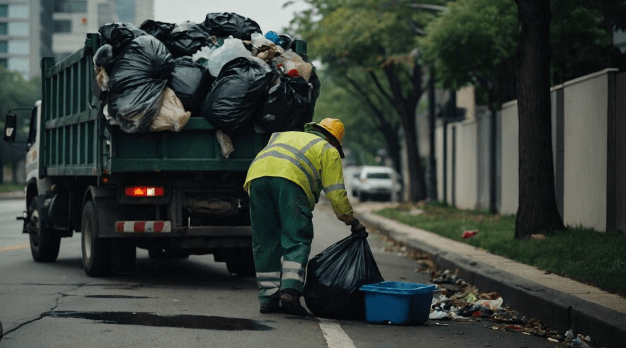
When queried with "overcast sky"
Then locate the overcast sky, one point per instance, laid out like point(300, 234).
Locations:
point(269, 14)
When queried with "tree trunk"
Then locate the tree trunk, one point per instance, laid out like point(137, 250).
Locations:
point(537, 212)
point(417, 182)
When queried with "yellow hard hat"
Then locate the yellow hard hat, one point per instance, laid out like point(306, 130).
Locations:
point(335, 128)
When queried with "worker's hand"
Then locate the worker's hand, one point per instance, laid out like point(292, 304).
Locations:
point(358, 228)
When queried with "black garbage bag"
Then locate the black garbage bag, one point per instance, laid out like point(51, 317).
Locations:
point(335, 275)
point(236, 95)
point(191, 82)
point(119, 34)
point(160, 30)
point(225, 24)
point(315, 93)
point(138, 78)
point(286, 106)
point(186, 39)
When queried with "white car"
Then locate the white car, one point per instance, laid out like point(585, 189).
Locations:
point(376, 181)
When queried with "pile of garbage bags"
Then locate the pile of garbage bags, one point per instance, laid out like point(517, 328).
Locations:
point(156, 76)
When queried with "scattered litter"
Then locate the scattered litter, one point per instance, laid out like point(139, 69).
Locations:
point(469, 234)
point(437, 315)
point(537, 237)
point(440, 324)
point(462, 302)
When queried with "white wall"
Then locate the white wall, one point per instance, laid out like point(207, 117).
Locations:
point(467, 165)
point(510, 159)
point(585, 156)
point(439, 159)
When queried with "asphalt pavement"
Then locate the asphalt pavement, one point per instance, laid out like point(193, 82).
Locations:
point(559, 302)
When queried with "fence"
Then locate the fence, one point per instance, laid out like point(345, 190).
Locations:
point(588, 118)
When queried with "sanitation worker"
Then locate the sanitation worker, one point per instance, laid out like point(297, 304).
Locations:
point(284, 183)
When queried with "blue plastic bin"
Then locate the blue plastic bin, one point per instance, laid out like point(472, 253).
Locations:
point(398, 303)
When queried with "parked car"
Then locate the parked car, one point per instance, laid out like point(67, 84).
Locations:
point(376, 182)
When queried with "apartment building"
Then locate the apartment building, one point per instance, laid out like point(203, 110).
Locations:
point(25, 35)
point(73, 19)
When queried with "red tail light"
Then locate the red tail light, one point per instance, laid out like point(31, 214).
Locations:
point(144, 191)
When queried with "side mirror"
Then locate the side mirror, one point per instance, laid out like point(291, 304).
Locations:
point(10, 128)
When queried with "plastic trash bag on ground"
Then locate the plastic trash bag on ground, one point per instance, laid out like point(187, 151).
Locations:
point(231, 49)
point(191, 82)
point(225, 24)
point(118, 34)
point(186, 39)
point(286, 106)
point(138, 78)
point(160, 30)
point(335, 275)
point(172, 115)
point(236, 95)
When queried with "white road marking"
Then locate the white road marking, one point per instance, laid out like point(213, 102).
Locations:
point(334, 335)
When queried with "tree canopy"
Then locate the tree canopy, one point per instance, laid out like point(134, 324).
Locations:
point(370, 48)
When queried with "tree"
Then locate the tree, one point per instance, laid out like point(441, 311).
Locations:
point(537, 211)
point(371, 45)
point(362, 135)
point(15, 92)
point(581, 37)
point(478, 52)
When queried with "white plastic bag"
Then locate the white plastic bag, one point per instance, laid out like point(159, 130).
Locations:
point(172, 115)
point(231, 49)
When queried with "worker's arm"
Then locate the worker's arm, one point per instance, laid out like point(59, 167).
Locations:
point(332, 181)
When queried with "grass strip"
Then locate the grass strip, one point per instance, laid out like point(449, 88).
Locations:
point(11, 186)
point(579, 253)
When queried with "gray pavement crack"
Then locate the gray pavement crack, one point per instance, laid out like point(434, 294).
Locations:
point(44, 314)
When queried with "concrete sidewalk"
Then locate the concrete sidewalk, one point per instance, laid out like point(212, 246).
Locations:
point(560, 303)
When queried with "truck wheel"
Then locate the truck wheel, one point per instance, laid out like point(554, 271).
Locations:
point(44, 242)
point(96, 251)
point(241, 262)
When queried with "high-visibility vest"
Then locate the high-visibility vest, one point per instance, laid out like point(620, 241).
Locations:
point(309, 161)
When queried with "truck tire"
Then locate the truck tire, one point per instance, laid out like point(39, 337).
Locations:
point(241, 262)
point(44, 242)
point(96, 251)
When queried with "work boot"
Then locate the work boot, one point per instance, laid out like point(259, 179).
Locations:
point(269, 307)
point(290, 303)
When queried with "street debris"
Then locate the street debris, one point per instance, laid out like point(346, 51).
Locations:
point(469, 234)
point(460, 301)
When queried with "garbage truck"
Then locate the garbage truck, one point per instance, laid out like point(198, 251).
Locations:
point(171, 193)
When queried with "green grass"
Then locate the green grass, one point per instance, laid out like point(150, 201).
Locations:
point(10, 187)
point(579, 253)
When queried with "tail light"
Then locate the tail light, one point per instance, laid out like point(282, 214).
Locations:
point(144, 191)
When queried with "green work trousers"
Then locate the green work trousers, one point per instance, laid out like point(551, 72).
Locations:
point(282, 227)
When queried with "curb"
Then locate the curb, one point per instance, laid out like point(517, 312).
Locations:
point(558, 310)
